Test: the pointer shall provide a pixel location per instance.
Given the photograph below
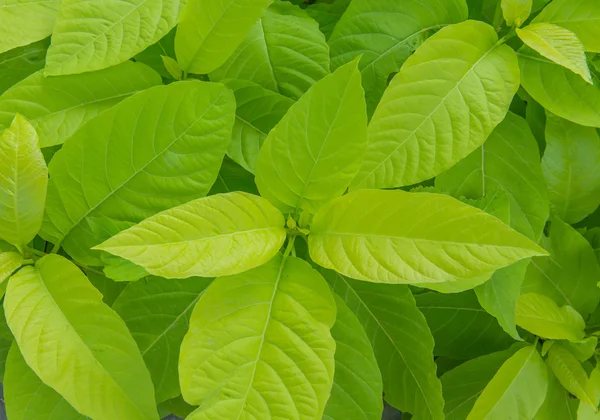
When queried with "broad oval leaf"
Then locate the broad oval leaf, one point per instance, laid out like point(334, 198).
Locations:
point(17, 64)
point(26, 21)
point(68, 336)
point(259, 345)
point(516, 12)
point(571, 166)
point(557, 44)
point(27, 397)
point(157, 312)
point(313, 153)
point(284, 52)
point(517, 390)
point(357, 384)
point(570, 373)
point(442, 105)
point(22, 183)
point(9, 263)
point(58, 106)
point(152, 151)
point(401, 340)
point(210, 30)
point(218, 235)
point(579, 16)
point(386, 32)
point(399, 237)
point(541, 316)
point(88, 38)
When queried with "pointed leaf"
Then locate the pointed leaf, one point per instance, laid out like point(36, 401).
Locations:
point(232, 177)
point(22, 183)
point(541, 316)
point(58, 106)
point(87, 38)
point(110, 289)
point(428, 120)
point(17, 64)
point(210, 30)
point(316, 149)
point(9, 263)
point(357, 384)
point(154, 150)
point(328, 14)
point(569, 372)
point(405, 230)
point(259, 345)
point(517, 390)
point(581, 349)
point(68, 336)
point(26, 21)
point(516, 12)
point(558, 403)
point(284, 52)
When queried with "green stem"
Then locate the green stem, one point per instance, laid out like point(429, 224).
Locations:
point(508, 36)
point(37, 252)
point(289, 247)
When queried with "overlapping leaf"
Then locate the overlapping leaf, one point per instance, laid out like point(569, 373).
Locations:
point(9, 262)
point(26, 21)
point(570, 373)
point(515, 12)
point(17, 64)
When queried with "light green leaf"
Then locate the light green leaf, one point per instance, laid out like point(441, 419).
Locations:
point(110, 289)
point(428, 120)
point(17, 64)
point(397, 237)
point(58, 106)
point(177, 406)
point(569, 275)
point(571, 166)
point(541, 316)
point(157, 313)
point(517, 390)
point(68, 336)
point(23, 181)
point(154, 150)
point(559, 90)
point(316, 149)
point(402, 343)
point(232, 177)
point(516, 12)
point(26, 21)
point(569, 372)
point(460, 327)
point(593, 237)
point(172, 67)
point(259, 345)
point(284, 52)
point(87, 38)
point(586, 411)
point(27, 397)
point(218, 235)
point(558, 403)
point(557, 44)
point(258, 111)
point(328, 14)
point(386, 32)
point(579, 16)
point(581, 349)
point(357, 385)
point(463, 384)
point(9, 263)
point(210, 30)
point(152, 56)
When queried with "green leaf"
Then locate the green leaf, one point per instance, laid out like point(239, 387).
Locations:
point(68, 337)
point(463, 384)
point(259, 345)
point(558, 403)
point(152, 151)
point(313, 153)
point(357, 384)
point(460, 327)
point(428, 120)
point(386, 32)
point(569, 275)
point(557, 44)
point(397, 237)
point(559, 90)
point(110, 289)
point(579, 16)
point(218, 235)
point(516, 12)
point(26, 21)
point(517, 390)
point(569, 372)
point(541, 316)
point(22, 183)
point(153, 55)
point(402, 343)
point(172, 67)
point(88, 38)
point(210, 30)
point(9, 263)
point(571, 166)
point(157, 313)
point(177, 406)
point(593, 237)
point(258, 111)
point(284, 52)
point(27, 397)
point(232, 177)
point(58, 106)
point(328, 14)
point(581, 349)
point(17, 64)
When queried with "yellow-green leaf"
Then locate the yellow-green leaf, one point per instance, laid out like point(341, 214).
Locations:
point(569, 372)
point(541, 316)
point(9, 262)
point(516, 12)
